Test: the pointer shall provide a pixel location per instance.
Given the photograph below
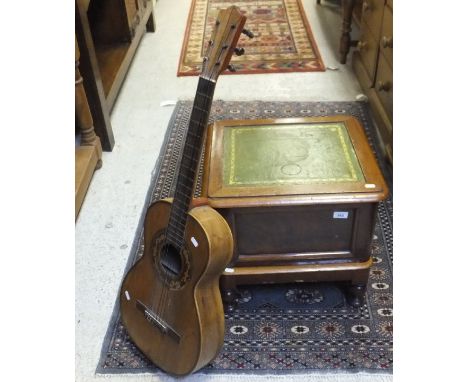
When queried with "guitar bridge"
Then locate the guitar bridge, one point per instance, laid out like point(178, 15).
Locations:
point(157, 321)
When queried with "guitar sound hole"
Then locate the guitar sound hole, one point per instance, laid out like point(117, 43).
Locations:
point(171, 260)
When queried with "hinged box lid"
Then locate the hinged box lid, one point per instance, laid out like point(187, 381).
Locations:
point(300, 160)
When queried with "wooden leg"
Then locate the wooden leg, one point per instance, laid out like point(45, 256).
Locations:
point(355, 294)
point(82, 111)
point(88, 156)
point(345, 42)
point(150, 24)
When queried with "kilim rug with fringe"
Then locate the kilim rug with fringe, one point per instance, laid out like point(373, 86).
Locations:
point(292, 328)
point(283, 39)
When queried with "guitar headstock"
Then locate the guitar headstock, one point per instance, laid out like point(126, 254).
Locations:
point(229, 25)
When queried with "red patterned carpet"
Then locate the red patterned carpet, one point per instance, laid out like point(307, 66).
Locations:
point(283, 39)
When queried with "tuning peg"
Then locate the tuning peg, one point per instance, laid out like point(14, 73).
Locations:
point(248, 33)
point(239, 51)
point(231, 68)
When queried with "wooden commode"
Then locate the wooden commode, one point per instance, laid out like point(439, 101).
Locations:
point(300, 196)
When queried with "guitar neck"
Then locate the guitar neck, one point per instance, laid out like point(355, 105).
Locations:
point(189, 164)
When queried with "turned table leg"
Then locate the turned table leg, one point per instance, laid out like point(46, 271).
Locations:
point(150, 24)
point(345, 42)
point(83, 113)
point(88, 155)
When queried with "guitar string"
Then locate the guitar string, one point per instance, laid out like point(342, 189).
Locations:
point(192, 153)
point(206, 108)
point(195, 154)
point(165, 238)
point(206, 104)
point(165, 291)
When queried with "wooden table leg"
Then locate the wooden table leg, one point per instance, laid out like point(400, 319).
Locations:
point(83, 113)
point(345, 42)
point(88, 155)
point(151, 24)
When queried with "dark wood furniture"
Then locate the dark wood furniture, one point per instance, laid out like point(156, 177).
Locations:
point(350, 8)
point(300, 196)
point(108, 34)
point(373, 65)
point(88, 154)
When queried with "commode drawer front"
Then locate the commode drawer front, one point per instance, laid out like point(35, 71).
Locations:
point(372, 12)
point(384, 85)
point(386, 39)
point(293, 230)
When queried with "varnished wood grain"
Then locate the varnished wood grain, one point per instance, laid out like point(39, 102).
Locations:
point(109, 32)
point(88, 155)
point(386, 39)
point(372, 13)
point(288, 233)
point(196, 310)
point(372, 63)
point(85, 163)
point(214, 188)
point(345, 40)
point(181, 327)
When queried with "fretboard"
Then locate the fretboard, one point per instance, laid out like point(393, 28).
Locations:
point(189, 163)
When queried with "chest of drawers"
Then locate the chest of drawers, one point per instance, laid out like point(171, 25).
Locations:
point(373, 64)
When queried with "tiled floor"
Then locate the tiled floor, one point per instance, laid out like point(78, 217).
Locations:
point(112, 208)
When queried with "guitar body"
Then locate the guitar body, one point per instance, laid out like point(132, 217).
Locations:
point(170, 300)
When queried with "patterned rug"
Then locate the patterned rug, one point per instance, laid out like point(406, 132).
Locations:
point(283, 39)
point(282, 328)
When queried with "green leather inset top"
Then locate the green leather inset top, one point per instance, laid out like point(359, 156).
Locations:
point(289, 154)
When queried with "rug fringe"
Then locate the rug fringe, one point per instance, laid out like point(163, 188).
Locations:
point(315, 377)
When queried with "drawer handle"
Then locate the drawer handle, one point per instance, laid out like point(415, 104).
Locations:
point(366, 6)
point(384, 86)
point(387, 42)
point(361, 46)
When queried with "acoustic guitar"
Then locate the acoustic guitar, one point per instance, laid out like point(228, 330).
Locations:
point(170, 300)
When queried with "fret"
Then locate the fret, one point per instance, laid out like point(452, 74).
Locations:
point(191, 149)
point(200, 108)
point(191, 146)
point(177, 231)
point(204, 95)
point(197, 120)
point(189, 189)
point(194, 136)
point(182, 198)
point(178, 243)
point(175, 235)
point(184, 176)
point(184, 195)
point(178, 225)
point(196, 132)
point(178, 208)
point(190, 159)
point(187, 168)
point(180, 212)
point(182, 206)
